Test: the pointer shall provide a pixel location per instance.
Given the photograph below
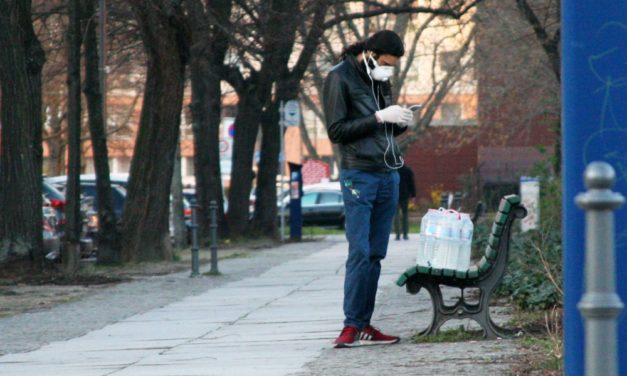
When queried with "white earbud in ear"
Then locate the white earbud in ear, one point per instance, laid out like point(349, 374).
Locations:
point(363, 54)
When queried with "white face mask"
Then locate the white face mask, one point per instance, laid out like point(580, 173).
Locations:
point(380, 72)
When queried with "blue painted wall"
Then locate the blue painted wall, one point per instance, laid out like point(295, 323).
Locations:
point(594, 126)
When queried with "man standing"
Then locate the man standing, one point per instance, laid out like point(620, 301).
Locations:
point(360, 118)
point(406, 190)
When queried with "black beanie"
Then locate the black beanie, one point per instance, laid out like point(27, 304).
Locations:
point(385, 42)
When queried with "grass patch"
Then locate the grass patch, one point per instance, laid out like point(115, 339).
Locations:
point(235, 255)
point(312, 231)
point(212, 274)
point(540, 357)
point(451, 335)
point(258, 243)
point(542, 339)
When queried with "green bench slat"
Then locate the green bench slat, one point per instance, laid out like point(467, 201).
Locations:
point(411, 272)
point(423, 269)
point(500, 218)
point(484, 265)
point(505, 206)
point(461, 274)
point(402, 279)
point(493, 241)
point(436, 271)
point(513, 199)
point(473, 271)
point(448, 272)
point(497, 229)
point(490, 253)
point(508, 202)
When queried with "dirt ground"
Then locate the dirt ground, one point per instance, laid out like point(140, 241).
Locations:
point(23, 290)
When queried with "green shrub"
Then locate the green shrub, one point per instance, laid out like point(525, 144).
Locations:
point(534, 277)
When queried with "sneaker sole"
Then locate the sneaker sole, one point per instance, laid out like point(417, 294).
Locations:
point(347, 345)
point(365, 343)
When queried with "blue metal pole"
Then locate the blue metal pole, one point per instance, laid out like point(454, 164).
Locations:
point(296, 193)
point(594, 127)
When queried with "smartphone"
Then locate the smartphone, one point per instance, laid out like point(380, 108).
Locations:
point(415, 109)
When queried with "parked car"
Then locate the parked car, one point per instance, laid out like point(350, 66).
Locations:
point(51, 236)
point(321, 205)
point(119, 183)
point(60, 181)
point(190, 196)
point(53, 233)
point(88, 189)
point(55, 200)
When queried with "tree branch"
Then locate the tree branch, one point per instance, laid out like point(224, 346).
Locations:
point(449, 12)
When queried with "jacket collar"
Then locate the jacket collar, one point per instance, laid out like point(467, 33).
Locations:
point(359, 67)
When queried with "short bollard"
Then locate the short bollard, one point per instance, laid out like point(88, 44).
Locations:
point(600, 304)
point(213, 209)
point(194, 227)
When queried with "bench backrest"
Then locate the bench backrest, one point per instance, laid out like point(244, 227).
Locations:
point(494, 259)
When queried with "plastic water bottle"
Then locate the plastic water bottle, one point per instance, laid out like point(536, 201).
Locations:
point(453, 250)
point(426, 239)
point(467, 228)
point(442, 231)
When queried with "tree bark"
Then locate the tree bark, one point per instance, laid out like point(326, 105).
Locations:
point(246, 129)
point(145, 232)
point(177, 215)
point(207, 52)
point(71, 250)
point(264, 221)
point(21, 62)
point(551, 47)
point(108, 241)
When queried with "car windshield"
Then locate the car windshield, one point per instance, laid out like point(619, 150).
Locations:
point(51, 193)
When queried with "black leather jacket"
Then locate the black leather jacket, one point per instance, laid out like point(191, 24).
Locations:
point(349, 108)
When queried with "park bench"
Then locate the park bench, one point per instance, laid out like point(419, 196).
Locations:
point(485, 276)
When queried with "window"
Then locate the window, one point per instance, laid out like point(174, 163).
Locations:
point(309, 199)
point(329, 198)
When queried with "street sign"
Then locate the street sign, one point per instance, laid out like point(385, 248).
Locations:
point(291, 115)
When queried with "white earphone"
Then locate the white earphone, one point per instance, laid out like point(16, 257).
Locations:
point(398, 161)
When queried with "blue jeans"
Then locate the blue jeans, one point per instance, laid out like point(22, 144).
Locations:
point(370, 200)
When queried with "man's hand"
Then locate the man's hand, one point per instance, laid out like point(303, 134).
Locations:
point(395, 114)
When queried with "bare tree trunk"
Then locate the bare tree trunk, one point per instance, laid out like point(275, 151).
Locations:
point(145, 232)
point(264, 221)
point(177, 215)
point(209, 46)
point(108, 232)
point(71, 249)
point(288, 85)
point(21, 62)
point(246, 129)
point(551, 46)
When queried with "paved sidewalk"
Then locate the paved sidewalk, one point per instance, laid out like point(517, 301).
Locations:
point(280, 321)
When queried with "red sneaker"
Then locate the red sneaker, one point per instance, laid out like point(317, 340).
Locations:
point(349, 337)
point(372, 336)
